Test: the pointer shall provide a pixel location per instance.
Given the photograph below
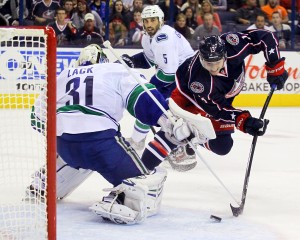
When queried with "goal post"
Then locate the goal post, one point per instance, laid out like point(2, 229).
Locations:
point(27, 70)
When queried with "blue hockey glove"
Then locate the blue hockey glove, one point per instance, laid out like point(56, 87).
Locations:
point(276, 74)
point(128, 60)
point(248, 124)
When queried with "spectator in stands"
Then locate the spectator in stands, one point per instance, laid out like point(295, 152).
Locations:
point(150, 2)
point(127, 4)
point(82, 10)
point(99, 7)
point(43, 12)
point(233, 5)
point(246, 15)
point(136, 28)
point(165, 7)
point(281, 31)
point(89, 33)
point(9, 12)
point(68, 6)
point(273, 6)
point(287, 4)
point(118, 9)
point(194, 4)
point(137, 4)
point(181, 27)
point(260, 23)
point(206, 29)
point(65, 31)
point(207, 7)
point(190, 18)
point(219, 5)
point(118, 33)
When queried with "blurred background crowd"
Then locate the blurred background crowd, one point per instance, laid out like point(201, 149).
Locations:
point(82, 22)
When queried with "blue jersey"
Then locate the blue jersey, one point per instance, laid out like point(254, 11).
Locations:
point(214, 94)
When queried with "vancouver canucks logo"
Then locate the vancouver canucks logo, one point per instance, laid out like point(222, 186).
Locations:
point(196, 87)
point(161, 37)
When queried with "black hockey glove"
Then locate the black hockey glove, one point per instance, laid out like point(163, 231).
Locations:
point(128, 60)
point(276, 74)
point(248, 124)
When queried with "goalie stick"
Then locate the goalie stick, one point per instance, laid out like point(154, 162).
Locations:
point(236, 211)
point(108, 45)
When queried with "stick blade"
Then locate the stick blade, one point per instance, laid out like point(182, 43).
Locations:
point(236, 211)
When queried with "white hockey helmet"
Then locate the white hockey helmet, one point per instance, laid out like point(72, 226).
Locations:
point(153, 11)
point(91, 54)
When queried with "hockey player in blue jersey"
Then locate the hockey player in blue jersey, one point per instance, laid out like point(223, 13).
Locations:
point(209, 81)
point(91, 99)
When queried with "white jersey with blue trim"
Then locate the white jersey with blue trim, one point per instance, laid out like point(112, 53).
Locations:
point(167, 49)
point(93, 98)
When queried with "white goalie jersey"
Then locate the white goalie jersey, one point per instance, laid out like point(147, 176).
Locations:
point(96, 94)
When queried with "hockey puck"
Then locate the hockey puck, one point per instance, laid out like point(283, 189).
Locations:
point(215, 218)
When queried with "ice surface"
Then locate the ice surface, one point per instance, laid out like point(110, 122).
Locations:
point(272, 204)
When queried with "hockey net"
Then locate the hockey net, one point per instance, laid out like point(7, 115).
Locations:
point(27, 70)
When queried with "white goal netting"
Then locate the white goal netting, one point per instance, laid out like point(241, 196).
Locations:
point(23, 150)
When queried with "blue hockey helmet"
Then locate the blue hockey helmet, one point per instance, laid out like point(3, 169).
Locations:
point(212, 48)
point(91, 54)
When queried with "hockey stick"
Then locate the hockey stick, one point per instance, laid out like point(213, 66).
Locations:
point(239, 210)
point(108, 45)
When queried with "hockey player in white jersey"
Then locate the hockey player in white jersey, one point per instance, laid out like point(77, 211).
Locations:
point(91, 99)
point(166, 49)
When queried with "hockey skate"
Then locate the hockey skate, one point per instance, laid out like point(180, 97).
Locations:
point(137, 146)
point(180, 160)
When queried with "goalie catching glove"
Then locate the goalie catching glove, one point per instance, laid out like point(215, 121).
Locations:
point(276, 74)
point(186, 125)
point(248, 124)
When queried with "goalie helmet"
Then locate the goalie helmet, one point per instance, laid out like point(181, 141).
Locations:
point(91, 54)
point(153, 11)
point(212, 48)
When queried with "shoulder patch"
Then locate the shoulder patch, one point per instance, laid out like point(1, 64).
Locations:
point(233, 39)
point(161, 37)
point(196, 87)
point(178, 34)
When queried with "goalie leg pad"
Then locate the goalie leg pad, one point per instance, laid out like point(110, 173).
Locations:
point(155, 183)
point(130, 208)
point(68, 178)
point(133, 200)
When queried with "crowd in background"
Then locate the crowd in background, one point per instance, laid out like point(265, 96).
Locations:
point(82, 22)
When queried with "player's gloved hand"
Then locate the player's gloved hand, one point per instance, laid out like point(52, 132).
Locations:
point(128, 60)
point(248, 124)
point(176, 133)
point(276, 74)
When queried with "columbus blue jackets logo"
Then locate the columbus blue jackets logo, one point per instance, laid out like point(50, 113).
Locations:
point(161, 37)
point(233, 39)
point(197, 87)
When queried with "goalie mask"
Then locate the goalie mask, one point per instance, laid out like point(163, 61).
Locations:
point(91, 54)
